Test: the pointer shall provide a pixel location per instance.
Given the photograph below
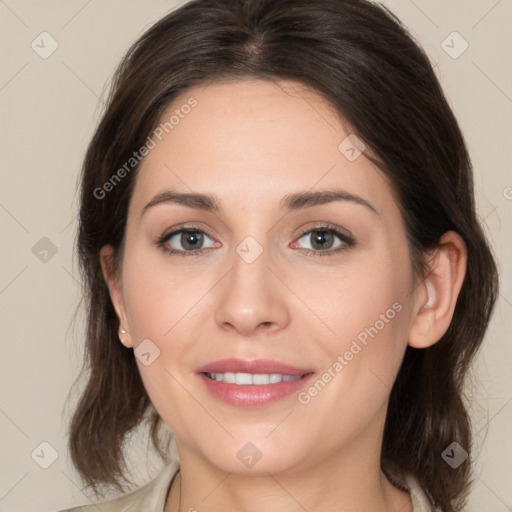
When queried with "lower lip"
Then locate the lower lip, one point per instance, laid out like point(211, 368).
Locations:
point(253, 395)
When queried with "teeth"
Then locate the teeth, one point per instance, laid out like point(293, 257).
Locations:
point(227, 377)
point(243, 378)
point(274, 378)
point(260, 378)
point(249, 378)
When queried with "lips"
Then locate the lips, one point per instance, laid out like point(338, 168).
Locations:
point(258, 366)
point(266, 387)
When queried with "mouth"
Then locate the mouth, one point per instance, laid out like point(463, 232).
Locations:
point(250, 379)
point(258, 383)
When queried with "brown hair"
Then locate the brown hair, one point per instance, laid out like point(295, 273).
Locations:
point(360, 58)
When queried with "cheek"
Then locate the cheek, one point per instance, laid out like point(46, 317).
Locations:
point(368, 312)
point(160, 306)
point(159, 297)
point(363, 301)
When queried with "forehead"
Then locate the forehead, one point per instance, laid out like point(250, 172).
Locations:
point(252, 141)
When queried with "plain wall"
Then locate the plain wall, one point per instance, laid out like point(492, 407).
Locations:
point(50, 107)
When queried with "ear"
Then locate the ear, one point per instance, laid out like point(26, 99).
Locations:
point(113, 282)
point(437, 295)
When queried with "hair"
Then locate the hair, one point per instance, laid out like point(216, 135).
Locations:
point(361, 60)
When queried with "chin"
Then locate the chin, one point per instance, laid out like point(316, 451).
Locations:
point(253, 458)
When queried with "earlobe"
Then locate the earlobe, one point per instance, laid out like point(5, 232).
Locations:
point(116, 296)
point(437, 295)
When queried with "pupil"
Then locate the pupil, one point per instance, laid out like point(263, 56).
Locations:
point(191, 240)
point(323, 238)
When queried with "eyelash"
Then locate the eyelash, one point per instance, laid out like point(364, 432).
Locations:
point(348, 241)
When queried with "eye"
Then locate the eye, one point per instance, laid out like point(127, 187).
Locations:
point(324, 240)
point(186, 241)
point(189, 241)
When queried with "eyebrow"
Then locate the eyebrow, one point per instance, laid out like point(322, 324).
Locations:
point(290, 202)
point(308, 199)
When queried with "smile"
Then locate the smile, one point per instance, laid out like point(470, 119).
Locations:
point(241, 379)
point(252, 383)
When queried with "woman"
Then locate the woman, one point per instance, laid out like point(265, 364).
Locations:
point(243, 143)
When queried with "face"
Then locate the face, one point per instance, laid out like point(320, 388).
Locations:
point(268, 270)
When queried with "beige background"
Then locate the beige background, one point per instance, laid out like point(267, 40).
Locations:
point(49, 109)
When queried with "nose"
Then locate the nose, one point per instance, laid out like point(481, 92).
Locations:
point(251, 298)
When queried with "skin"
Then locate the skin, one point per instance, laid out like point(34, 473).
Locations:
point(251, 143)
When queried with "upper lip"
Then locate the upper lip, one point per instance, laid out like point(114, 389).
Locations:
point(257, 366)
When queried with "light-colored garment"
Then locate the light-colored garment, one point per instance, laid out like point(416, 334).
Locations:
point(152, 496)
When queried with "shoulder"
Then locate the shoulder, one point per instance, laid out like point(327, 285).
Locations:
point(408, 483)
point(150, 498)
point(420, 501)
